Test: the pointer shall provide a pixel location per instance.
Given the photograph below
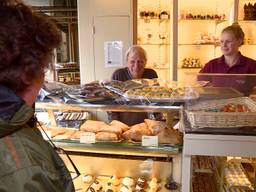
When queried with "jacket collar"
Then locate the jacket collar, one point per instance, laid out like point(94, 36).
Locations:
point(14, 112)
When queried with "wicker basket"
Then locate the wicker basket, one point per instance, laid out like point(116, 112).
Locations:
point(198, 118)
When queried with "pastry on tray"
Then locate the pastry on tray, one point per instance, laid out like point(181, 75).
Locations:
point(106, 136)
point(155, 126)
point(64, 135)
point(127, 181)
point(92, 126)
point(111, 129)
point(123, 126)
point(76, 135)
point(136, 132)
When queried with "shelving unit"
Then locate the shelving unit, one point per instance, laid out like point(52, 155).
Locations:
point(248, 27)
point(202, 40)
point(153, 34)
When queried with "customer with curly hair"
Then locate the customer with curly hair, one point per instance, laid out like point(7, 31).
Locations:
point(28, 162)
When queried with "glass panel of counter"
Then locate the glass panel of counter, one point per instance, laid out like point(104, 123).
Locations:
point(243, 83)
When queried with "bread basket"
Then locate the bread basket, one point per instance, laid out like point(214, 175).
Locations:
point(200, 118)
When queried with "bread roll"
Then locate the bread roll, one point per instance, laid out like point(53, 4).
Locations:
point(106, 136)
point(136, 132)
point(76, 135)
point(58, 131)
point(64, 134)
point(123, 126)
point(92, 126)
point(155, 126)
point(111, 129)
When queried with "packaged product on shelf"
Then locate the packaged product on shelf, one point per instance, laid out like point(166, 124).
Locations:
point(191, 62)
point(236, 177)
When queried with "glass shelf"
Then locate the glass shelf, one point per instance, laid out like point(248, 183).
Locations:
point(153, 19)
point(247, 21)
point(190, 68)
point(154, 44)
point(206, 20)
point(161, 68)
point(252, 44)
point(121, 148)
point(194, 44)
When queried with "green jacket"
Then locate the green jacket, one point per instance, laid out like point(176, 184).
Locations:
point(27, 161)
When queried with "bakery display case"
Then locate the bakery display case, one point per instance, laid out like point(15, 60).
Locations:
point(107, 152)
point(199, 27)
point(158, 165)
point(218, 139)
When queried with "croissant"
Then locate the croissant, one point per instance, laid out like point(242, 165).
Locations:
point(92, 126)
point(136, 132)
point(155, 126)
point(123, 126)
point(106, 136)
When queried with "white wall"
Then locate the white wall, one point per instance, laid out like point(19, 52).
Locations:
point(87, 10)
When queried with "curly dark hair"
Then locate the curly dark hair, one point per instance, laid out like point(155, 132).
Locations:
point(27, 41)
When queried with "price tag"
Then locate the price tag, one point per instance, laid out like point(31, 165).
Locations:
point(87, 137)
point(149, 140)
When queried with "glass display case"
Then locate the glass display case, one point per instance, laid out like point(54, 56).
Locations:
point(158, 165)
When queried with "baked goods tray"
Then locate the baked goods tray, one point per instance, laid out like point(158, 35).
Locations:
point(161, 100)
point(124, 184)
point(199, 117)
point(162, 94)
point(81, 98)
point(120, 143)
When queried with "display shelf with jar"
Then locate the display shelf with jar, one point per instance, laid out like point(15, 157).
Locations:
point(153, 20)
point(246, 19)
point(199, 27)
